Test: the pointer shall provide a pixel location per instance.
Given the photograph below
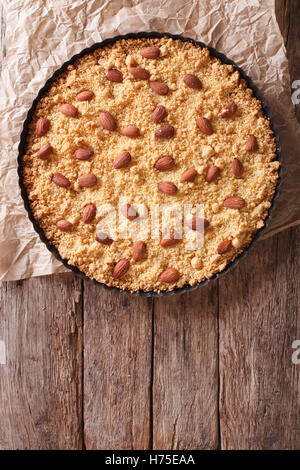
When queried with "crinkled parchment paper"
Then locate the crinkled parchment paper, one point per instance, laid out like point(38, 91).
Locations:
point(42, 35)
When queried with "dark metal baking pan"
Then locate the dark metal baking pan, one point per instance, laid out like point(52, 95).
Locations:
point(23, 144)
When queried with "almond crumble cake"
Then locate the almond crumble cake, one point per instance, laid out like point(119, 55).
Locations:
point(154, 121)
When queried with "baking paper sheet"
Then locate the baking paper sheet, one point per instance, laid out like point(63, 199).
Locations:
point(42, 35)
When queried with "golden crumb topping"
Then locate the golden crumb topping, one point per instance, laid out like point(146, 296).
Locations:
point(137, 140)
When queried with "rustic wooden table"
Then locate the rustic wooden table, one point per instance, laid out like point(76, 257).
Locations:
point(211, 369)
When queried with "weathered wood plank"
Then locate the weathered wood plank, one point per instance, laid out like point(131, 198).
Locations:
point(117, 369)
point(282, 10)
point(288, 17)
point(40, 384)
point(185, 384)
point(259, 320)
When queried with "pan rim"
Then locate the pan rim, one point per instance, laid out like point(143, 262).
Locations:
point(23, 145)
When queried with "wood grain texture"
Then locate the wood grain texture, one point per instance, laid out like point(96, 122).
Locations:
point(185, 379)
point(259, 320)
point(117, 369)
point(288, 17)
point(40, 384)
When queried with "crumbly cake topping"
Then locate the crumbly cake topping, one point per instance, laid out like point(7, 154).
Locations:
point(155, 121)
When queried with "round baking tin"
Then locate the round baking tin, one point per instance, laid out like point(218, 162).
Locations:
point(23, 145)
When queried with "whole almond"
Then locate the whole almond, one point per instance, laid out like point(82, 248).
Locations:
point(165, 163)
point(139, 73)
point(121, 268)
point(129, 212)
point(169, 275)
point(114, 75)
point(159, 114)
point(228, 110)
point(151, 52)
point(224, 246)
point(130, 131)
point(84, 153)
point(139, 250)
point(85, 95)
point(188, 175)
point(192, 81)
point(87, 181)
point(168, 188)
point(234, 202)
point(237, 167)
point(204, 125)
point(45, 151)
point(107, 121)
point(251, 144)
point(159, 87)
point(89, 213)
point(170, 239)
point(68, 110)
point(165, 132)
point(122, 160)
point(61, 180)
point(64, 225)
point(212, 173)
point(42, 126)
point(103, 238)
point(195, 223)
